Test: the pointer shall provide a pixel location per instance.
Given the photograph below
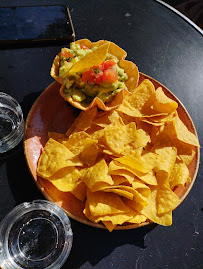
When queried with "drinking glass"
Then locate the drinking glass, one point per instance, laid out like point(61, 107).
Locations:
point(11, 122)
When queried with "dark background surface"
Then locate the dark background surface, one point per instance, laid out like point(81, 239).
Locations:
point(163, 46)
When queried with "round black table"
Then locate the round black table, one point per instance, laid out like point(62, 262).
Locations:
point(165, 47)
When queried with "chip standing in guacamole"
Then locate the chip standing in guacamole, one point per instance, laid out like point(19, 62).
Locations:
point(103, 81)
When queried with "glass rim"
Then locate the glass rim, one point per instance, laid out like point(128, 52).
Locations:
point(19, 211)
point(20, 125)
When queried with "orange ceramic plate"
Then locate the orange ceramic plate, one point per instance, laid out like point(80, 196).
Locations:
point(50, 113)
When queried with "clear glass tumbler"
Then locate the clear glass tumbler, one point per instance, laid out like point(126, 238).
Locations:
point(35, 235)
point(11, 122)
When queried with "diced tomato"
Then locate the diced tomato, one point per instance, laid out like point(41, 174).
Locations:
point(107, 64)
point(82, 46)
point(110, 76)
point(98, 78)
point(88, 76)
point(101, 73)
point(66, 54)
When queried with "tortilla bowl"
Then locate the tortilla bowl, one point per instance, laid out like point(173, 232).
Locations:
point(130, 69)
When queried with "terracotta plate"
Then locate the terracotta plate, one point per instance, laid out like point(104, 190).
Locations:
point(51, 113)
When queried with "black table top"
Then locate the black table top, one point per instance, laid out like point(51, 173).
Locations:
point(165, 47)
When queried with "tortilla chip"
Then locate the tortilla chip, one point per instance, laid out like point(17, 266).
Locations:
point(166, 149)
point(91, 59)
point(129, 177)
point(95, 174)
point(111, 117)
point(148, 178)
point(179, 176)
point(109, 225)
point(118, 179)
point(167, 200)
point(143, 164)
point(133, 74)
point(151, 212)
point(54, 157)
point(85, 119)
point(80, 190)
point(120, 191)
point(65, 179)
point(103, 203)
point(177, 130)
point(163, 103)
point(76, 141)
point(142, 98)
point(137, 219)
point(116, 137)
point(90, 151)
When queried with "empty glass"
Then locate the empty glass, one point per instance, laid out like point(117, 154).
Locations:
point(11, 122)
point(35, 235)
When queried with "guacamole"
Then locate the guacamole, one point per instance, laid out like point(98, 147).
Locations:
point(103, 81)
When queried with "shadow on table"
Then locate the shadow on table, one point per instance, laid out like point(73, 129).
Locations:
point(20, 180)
point(92, 244)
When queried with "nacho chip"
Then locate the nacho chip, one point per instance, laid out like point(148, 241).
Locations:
point(129, 177)
point(118, 179)
point(132, 151)
point(111, 117)
point(65, 179)
point(177, 130)
point(91, 59)
point(90, 151)
point(109, 225)
point(142, 98)
point(103, 203)
point(166, 149)
point(116, 137)
point(167, 200)
point(163, 103)
point(179, 176)
point(84, 121)
point(132, 72)
point(118, 219)
point(54, 157)
point(76, 141)
point(143, 164)
point(120, 191)
point(95, 174)
point(185, 152)
point(137, 219)
point(148, 178)
point(151, 212)
point(113, 48)
point(80, 190)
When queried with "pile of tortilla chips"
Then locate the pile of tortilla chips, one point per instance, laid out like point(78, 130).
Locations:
point(123, 163)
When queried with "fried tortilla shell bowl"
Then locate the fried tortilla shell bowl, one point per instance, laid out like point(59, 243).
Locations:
point(55, 69)
point(133, 77)
point(51, 113)
point(118, 99)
